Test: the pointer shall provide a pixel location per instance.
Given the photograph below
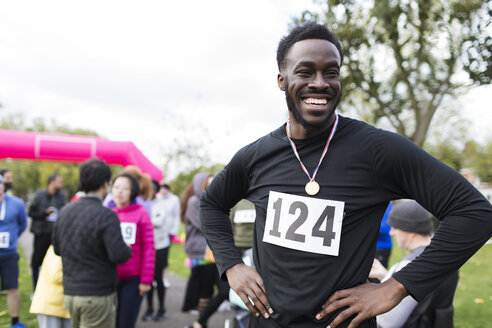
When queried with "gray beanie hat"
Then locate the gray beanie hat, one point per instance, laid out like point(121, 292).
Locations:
point(411, 217)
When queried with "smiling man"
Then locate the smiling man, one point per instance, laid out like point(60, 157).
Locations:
point(320, 184)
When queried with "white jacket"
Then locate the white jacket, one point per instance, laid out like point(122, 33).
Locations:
point(165, 219)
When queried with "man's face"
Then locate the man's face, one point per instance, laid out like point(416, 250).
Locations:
point(310, 78)
point(58, 182)
point(163, 191)
point(7, 178)
point(401, 237)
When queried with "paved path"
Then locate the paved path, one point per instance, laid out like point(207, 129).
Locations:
point(174, 299)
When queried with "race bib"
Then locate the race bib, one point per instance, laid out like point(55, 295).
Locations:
point(304, 223)
point(245, 216)
point(129, 232)
point(4, 239)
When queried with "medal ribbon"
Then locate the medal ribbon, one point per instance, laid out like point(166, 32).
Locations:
point(294, 149)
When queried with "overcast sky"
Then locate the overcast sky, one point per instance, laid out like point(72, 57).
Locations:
point(153, 71)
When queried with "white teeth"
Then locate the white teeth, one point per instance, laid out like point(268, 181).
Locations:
point(315, 101)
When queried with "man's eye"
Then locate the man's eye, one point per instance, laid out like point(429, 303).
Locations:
point(304, 73)
point(331, 73)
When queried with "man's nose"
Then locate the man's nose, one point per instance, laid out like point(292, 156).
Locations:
point(319, 82)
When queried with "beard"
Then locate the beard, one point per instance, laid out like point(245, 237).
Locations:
point(8, 186)
point(296, 113)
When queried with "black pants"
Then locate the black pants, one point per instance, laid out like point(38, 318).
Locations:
point(200, 285)
point(383, 256)
point(221, 296)
point(161, 256)
point(129, 301)
point(42, 242)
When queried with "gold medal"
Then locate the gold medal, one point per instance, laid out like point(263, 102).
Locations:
point(312, 188)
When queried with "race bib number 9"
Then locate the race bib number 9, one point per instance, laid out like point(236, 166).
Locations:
point(4, 239)
point(304, 223)
point(129, 232)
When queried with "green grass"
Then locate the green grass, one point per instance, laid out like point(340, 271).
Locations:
point(473, 299)
point(176, 262)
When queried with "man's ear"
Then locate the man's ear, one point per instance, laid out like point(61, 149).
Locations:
point(281, 82)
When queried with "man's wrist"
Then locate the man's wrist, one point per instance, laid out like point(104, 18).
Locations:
point(233, 268)
point(399, 291)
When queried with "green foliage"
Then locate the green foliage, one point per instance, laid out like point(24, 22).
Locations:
point(481, 160)
point(448, 154)
point(404, 59)
point(184, 179)
point(473, 156)
point(30, 176)
point(18, 122)
point(177, 257)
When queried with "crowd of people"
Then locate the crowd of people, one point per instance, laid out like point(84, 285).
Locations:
point(95, 258)
point(320, 188)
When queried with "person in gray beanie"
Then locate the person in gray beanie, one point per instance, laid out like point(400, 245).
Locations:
point(409, 216)
point(411, 227)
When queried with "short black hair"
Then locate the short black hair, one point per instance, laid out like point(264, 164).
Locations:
point(134, 187)
point(52, 177)
point(165, 185)
point(93, 174)
point(3, 171)
point(155, 186)
point(309, 30)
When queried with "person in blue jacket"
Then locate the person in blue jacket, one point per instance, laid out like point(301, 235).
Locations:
point(13, 220)
point(384, 245)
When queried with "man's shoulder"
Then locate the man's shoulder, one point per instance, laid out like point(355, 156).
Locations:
point(366, 134)
point(14, 200)
point(352, 125)
point(41, 192)
point(85, 204)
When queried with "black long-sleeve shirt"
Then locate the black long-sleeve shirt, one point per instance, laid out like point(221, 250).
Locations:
point(365, 168)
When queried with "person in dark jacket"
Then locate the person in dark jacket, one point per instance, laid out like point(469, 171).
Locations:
point(88, 237)
point(44, 211)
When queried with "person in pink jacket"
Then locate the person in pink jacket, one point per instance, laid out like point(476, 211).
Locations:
point(135, 275)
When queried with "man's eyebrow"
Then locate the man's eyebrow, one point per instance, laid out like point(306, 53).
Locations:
point(332, 63)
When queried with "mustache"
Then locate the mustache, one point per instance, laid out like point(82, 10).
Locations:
point(311, 92)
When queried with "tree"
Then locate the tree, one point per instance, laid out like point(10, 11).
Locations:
point(184, 179)
point(471, 155)
point(404, 59)
point(478, 158)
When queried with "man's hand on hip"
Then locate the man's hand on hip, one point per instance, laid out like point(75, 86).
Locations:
point(248, 285)
point(363, 302)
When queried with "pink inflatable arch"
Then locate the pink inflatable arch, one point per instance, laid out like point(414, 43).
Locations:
point(71, 148)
